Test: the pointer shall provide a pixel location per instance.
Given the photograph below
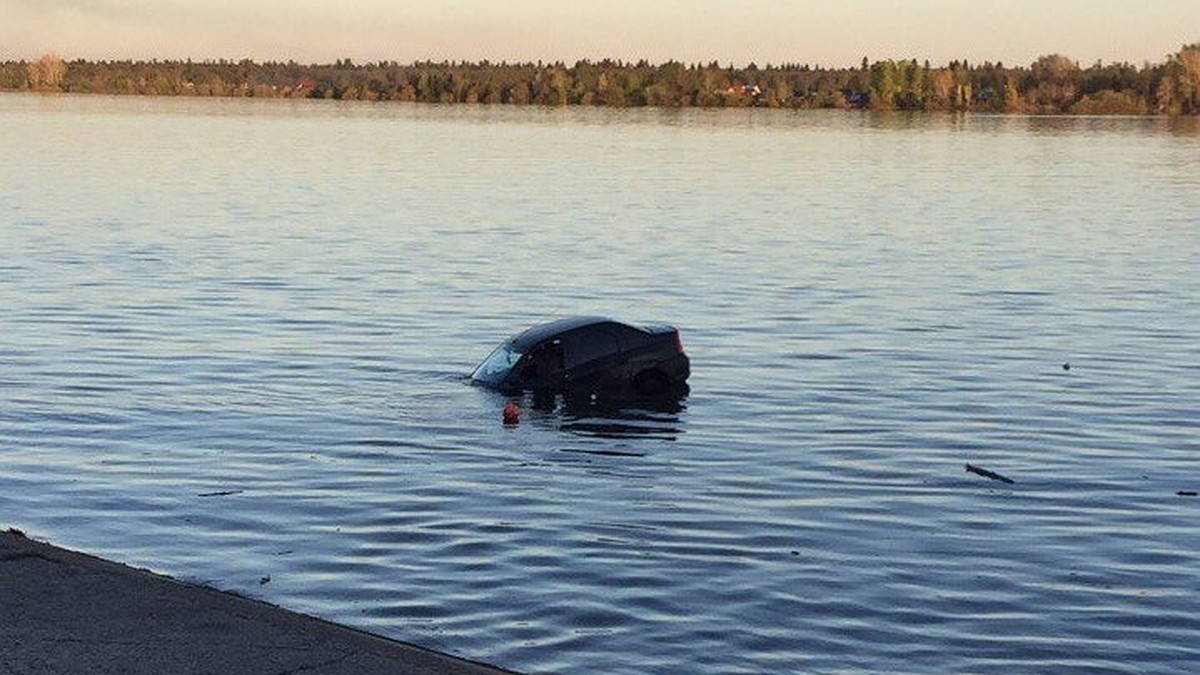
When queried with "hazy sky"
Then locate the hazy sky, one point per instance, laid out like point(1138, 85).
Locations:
point(824, 32)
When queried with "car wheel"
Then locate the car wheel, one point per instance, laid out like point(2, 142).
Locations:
point(651, 383)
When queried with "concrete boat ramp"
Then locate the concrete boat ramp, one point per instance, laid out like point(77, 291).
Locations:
point(64, 612)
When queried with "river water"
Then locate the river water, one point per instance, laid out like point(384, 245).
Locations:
point(234, 336)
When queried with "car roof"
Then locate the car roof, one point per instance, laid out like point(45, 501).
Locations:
point(536, 334)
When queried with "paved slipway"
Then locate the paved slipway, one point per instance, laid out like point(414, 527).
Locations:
point(64, 612)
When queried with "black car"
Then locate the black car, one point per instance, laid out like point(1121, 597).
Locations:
point(588, 354)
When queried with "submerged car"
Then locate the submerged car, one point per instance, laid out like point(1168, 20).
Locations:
point(588, 354)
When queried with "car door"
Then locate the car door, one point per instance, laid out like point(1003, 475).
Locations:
point(546, 364)
point(590, 357)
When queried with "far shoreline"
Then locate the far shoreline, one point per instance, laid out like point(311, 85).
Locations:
point(1051, 85)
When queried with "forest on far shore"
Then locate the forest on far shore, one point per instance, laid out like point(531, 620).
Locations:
point(1052, 84)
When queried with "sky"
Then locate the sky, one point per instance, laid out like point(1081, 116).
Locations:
point(739, 32)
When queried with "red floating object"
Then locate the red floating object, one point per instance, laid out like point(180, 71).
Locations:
point(512, 414)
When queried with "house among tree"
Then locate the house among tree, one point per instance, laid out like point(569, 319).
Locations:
point(303, 88)
point(744, 90)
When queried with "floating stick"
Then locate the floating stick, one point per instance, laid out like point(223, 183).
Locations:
point(989, 474)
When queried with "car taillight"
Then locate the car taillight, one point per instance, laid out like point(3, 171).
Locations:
point(679, 341)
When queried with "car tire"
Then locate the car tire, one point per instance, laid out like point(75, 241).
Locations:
point(651, 383)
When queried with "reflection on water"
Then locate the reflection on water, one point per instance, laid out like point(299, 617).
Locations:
point(234, 337)
point(604, 416)
point(631, 416)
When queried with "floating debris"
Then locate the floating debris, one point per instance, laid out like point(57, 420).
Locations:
point(1186, 493)
point(222, 493)
point(989, 474)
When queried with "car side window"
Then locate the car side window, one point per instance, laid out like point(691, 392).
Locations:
point(544, 361)
point(584, 346)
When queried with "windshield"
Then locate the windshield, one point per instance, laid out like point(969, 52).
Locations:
point(497, 366)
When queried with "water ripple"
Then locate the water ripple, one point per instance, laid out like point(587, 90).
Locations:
point(229, 360)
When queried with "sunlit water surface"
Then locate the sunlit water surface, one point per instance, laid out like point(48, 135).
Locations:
point(234, 335)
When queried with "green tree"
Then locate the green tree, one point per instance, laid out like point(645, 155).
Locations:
point(14, 75)
point(1108, 102)
point(1012, 96)
point(1054, 83)
point(885, 85)
point(1179, 89)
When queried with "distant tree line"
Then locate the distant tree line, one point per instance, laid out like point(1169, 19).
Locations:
point(1050, 85)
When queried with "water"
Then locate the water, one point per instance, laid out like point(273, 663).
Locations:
point(234, 339)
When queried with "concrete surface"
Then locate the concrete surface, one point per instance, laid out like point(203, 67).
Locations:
point(64, 612)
